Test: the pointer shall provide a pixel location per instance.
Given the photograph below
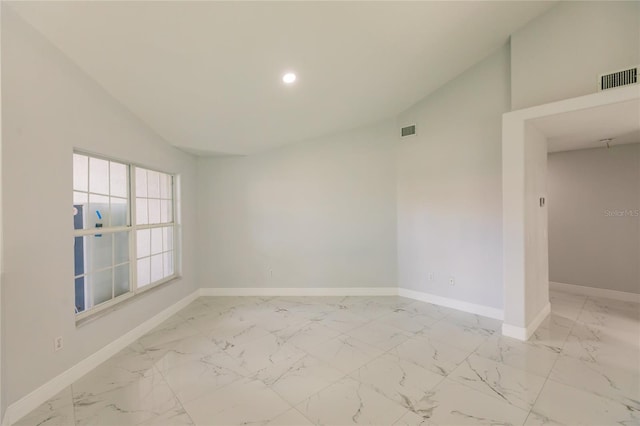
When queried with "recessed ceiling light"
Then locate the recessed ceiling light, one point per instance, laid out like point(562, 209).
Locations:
point(289, 78)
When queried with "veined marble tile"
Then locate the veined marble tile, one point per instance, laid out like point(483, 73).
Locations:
point(137, 402)
point(569, 309)
point(264, 352)
point(429, 310)
point(193, 379)
point(291, 418)
point(622, 320)
point(177, 352)
point(402, 381)
point(610, 306)
point(379, 335)
point(341, 320)
point(304, 307)
point(350, 402)
point(618, 383)
point(375, 307)
point(243, 402)
point(341, 302)
point(125, 368)
point(452, 403)
point(433, 355)
point(212, 317)
point(177, 417)
point(234, 333)
point(488, 325)
point(461, 335)
point(603, 346)
point(297, 381)
point(306, 335)
point(345, 353)
point(567, 405)
point(175, 328)
point(522, 355)
point(58, 411)
point(535, 419)
point(195, 309)
point(407, 321)
point(413, 419)
point(552, 332)
point(517, 387)
point(277, 319)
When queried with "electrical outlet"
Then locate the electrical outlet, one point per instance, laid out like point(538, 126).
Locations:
point(431, 276)
point(57, 343)
point(452, 281)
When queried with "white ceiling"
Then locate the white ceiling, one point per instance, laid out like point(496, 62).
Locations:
point(207, 75)
point(586, 128)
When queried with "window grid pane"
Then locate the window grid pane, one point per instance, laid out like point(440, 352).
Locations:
point(102, 196)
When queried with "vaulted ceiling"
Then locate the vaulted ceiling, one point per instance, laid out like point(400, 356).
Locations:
point(207, 76)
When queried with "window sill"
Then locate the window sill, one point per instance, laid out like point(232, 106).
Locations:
point(130, 297)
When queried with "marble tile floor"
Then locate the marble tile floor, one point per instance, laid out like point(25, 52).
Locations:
point(364, 360)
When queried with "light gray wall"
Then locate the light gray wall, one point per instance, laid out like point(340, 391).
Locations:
point(561, 53)
point(50, 107)
point(587, 245)
point(316, 214)
point(449, 187)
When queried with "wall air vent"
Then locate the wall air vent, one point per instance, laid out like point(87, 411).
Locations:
point(409, 130)
point(618, 78)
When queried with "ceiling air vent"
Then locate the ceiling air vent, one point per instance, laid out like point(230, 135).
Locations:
point(619, 78)
point(409, 130)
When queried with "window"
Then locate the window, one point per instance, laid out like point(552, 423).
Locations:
point(124, 230)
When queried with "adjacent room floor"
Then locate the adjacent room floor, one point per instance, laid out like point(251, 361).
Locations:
point(364, 360)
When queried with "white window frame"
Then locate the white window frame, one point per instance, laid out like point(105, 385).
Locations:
point(132, 229)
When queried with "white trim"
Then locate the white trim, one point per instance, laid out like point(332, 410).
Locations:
point(312, 291)
point(595, 292)
point(28, 403)
point(460, 305)
point(523, 333)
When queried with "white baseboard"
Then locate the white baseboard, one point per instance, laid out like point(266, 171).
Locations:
point(523, 333)
point(485, 311)
point(314, 291)
point(28, 403)
point(595, 292)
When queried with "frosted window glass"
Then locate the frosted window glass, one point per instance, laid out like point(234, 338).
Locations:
point(118, 180)
point(168, 263)
point(119, 211)
point(142, 214)
point(166, 215)
point(141, 182)
point(101, 286)
point(156, 240)
point(120, 247)
point(80, 172)
point(99, 251)
point(98, 176)
point(166, 190)
point(153, 182)
point(154, 211)
point(98, 212)
point(167, 238)
point(80, 198)
point(121, 279)
point(156, 268)
point(144, 271)
point(143, 243)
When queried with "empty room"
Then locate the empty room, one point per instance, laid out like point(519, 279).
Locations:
point(319, 213)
